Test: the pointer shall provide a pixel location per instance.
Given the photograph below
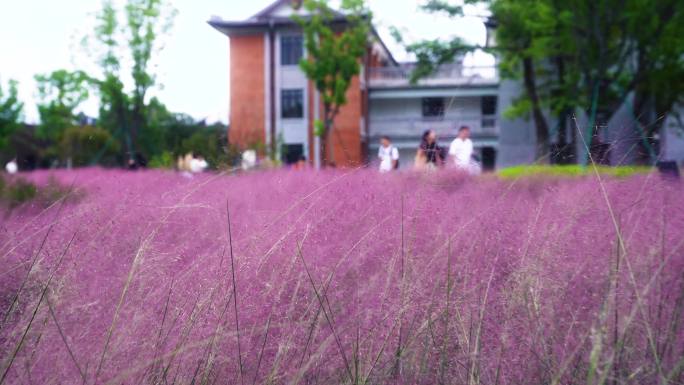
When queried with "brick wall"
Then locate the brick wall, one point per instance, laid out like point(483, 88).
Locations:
point(247, 106)
point(346, 139)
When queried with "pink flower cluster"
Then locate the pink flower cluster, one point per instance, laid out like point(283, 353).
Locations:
point(344, 277)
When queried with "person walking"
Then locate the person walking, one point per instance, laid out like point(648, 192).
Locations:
point(388, 155)
point(461, 150)
point(198, 164)
point(429, 155)
point(12, 167)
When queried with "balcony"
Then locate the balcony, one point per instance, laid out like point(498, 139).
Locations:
point(481, 126)
point(455, 75)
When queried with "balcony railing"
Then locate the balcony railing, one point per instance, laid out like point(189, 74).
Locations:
point(409, 128)
point(453, 74)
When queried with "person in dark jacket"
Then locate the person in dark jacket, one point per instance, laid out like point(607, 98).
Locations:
point(429, 155)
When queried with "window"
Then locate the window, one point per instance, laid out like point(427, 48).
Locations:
point(488, 158)
point(489, 105)
point(292, 153)
point(488, 122)
point(292, 103)
point(291, 50)
point(433, 107)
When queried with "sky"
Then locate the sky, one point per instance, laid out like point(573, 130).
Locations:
point(40, 36)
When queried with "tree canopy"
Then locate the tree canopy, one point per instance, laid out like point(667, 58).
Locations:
point(334, 54)
point(59, 94)
point(10, 112)
point(579, 55)
point(138, 38)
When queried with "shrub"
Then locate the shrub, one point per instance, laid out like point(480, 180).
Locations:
point(18, 191)
point(163, 160)
point(88, 145)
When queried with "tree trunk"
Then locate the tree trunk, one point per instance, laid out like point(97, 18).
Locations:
point(600, 151)
point(327, 148)
point(123, 125)
point(650, 121)
point(325, 135)
point(566, 150)
point(562, 126)
point(542, 128)
point(324, 147)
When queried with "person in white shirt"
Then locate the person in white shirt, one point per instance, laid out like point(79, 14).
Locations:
point(249, 159)
point(198, 165)
point(388, 155)
point(461, 149)
point(11, 167)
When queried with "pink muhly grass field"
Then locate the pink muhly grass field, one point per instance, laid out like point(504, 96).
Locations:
point(344, 277)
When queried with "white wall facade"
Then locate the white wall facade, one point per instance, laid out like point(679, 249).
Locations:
point(517, 136)
point(672, 137)
point(290, 130)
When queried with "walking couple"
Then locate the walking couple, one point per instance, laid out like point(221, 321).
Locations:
point(430, 155)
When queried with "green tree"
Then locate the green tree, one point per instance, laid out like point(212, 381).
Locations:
point(105, 46)
point(659, 45)
point(147, 21)
point(134, 41)
point(10, 112)
point(333, 56)
point(588, 55)
point(525, 29)
point(60, 93)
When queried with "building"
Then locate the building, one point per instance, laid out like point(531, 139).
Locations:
point(273, 106)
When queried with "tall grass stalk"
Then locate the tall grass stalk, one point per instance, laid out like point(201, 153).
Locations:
point(235, 295)
point(43, 292)
point(325, 314)
point(623, 251)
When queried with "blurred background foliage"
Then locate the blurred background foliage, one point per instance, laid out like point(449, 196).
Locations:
point(132, 124)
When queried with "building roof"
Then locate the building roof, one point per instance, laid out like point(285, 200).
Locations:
point(272, 9)
point(264, 13)
point(277, 15)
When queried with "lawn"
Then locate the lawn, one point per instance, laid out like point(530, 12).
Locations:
point(571, 170)
point(343, 277)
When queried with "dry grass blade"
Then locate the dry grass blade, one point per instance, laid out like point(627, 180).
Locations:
point(212, 344)
point(325, 314)
point(235, 295)
point(261, 351)
point(64, 339)
point(8, 366)
point(380, 351)
point(122, 297)
point(33, 261)
point(623, 249)
point(402, 283)
point(475, 366)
